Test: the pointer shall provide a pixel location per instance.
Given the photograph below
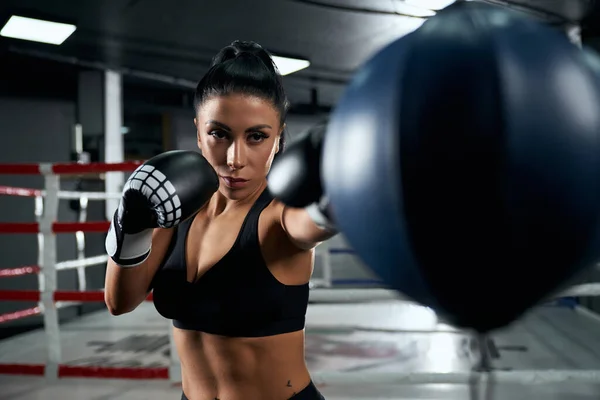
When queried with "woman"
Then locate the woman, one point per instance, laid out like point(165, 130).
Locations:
point(234, 277)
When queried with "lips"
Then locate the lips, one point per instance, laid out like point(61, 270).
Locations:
point(234, 183)
point(232, 179)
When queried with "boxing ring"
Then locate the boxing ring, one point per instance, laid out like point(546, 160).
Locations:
point(355, 336)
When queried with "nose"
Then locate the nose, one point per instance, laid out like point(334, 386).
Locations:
point(236, 155)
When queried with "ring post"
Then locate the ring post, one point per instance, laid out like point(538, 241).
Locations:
point(48, 270)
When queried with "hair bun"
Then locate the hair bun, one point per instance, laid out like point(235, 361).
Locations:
point(247, 47)
point(241, 49)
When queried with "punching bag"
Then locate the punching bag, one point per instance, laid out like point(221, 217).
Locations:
point(463, 164)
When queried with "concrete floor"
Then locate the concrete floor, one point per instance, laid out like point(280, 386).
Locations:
point(359, 338)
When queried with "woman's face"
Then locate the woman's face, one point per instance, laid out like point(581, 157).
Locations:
point(239, 136)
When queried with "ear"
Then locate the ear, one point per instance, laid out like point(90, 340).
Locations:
point(279, 138)
point(197, 134)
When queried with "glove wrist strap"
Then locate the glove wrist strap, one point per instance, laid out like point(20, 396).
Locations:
point(128, 250)
point(318, 212)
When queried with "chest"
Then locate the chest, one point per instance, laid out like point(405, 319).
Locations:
point(231, 265)
point(210, 241)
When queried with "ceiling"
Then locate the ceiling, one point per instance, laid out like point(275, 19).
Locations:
point(157, 44)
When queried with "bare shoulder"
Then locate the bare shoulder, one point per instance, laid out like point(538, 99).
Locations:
point(275, 210)
point(270, 219)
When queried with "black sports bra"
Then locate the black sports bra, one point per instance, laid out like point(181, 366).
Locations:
point(238, 296)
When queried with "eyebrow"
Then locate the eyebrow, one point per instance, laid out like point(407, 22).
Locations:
point(225, 127)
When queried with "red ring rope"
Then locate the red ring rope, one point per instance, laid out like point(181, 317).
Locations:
point(20, 295)
point(21, 369)
point(59, 295)
point(19, 227)
point(65, 371)
point(57, 227)
point(69, 168)
point(20, 169)
point(87, 297)
point(72, 227)
point(69, 371)
point(94, 168)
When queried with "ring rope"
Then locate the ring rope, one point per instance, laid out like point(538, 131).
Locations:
point(55, 227)
point(70, 371)
point(19, 271)
point(67, 168)
point(530, 377)
point(60, 266)
point(62, 194)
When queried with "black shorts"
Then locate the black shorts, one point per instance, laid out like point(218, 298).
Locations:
point(308, 393)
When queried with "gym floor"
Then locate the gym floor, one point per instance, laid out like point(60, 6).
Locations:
point(389, 336)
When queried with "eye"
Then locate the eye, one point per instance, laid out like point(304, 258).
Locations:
point(257, 137)
point(218, 134)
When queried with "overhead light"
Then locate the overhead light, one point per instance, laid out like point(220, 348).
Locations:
point(434, 5)
point(124, 130)
point(37, 30)
point(287, 65)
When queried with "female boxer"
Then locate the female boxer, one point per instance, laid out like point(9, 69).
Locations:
point(228, 264)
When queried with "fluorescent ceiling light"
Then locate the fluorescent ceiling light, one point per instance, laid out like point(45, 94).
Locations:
point(287, 65)
point(435, 5)
point(37, 30)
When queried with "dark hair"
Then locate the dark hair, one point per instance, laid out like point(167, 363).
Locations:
point(244, 68)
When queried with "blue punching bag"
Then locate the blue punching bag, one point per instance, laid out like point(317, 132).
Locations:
point(463, 164)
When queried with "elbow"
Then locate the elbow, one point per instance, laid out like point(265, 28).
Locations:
point(115, 311)
point(115, 307)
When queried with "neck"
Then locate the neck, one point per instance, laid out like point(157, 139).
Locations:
point(222, 202)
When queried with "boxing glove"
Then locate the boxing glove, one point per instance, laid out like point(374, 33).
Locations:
point(295, 177)
point(160, 193)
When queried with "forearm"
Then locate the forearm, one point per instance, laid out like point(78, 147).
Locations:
point(125, 288)
point(295, 181)
point(302, 229)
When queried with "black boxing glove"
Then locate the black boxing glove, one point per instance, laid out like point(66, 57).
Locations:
point(160, 193)
point(295, 177)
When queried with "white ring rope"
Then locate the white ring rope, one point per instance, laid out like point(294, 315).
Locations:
point(70, 195)
point(85, 262)
point(62, 194)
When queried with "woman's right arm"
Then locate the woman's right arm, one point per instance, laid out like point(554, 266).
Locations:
point(157, 194)
point(127, 288)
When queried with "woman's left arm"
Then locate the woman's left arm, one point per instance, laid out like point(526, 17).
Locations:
point(295, 181)
point(300, 226)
